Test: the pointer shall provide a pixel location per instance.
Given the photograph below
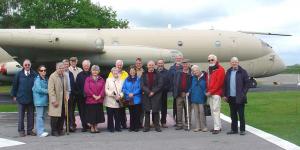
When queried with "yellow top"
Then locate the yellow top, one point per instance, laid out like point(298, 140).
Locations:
point(123, 75)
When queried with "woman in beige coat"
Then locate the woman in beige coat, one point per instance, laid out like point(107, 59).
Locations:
point(113, 92)
point(58, 93)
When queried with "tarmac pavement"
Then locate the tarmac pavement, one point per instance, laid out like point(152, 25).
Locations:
point(168, 139)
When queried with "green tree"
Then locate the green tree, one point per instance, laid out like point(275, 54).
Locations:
point(58, 14)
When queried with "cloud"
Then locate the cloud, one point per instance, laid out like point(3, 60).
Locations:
point(275, 16)
point(179, 19)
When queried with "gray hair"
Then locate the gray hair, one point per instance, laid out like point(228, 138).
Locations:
point(65, 60)
point(195, 67)
point(59, 64)
point(212, 56)
point(86, 61)
point(95, 68)
point(114, 69)
point(234, 59)
point(119, 61)
point(151, 61)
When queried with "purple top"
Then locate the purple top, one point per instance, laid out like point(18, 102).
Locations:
point(94, 87)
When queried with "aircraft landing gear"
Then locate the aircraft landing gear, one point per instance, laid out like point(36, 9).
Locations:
point(253, 83)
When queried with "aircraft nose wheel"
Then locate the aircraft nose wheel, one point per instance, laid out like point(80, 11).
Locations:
point(253, 83)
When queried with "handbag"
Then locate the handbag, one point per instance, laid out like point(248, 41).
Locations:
point(122, 102)
point(207, 110)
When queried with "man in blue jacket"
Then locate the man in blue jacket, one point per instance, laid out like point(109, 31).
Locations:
point(22, 93)
point(236, 88)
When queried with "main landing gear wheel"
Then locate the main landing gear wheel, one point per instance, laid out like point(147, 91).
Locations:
point(253, 83)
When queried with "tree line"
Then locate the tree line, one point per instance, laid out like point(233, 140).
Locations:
point(58, 14)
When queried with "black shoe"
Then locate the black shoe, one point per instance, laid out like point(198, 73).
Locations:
point(158, 129)
point(232, 132)
point(242, 133)
point(216, 132)
point(61, 133)
point(179, 128)
point(31, 133)
point(72, 130)
point(111, 130)
point(130, 130)
point(118, 130)
point(55, 133)
point(124, 127)
point(146, 130)
point(136, 130)
point(212, 130)
point(83, 130)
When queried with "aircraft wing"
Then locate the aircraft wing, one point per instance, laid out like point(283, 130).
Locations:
point(49, 46)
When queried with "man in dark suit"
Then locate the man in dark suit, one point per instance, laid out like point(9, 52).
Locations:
point(151, 84)
point(22, 93)
point(236, 88)
point(80, 80)
point(163, 73)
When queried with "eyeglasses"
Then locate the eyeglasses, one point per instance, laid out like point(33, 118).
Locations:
point(27, 65)
point(43, 70)
point(210, 60)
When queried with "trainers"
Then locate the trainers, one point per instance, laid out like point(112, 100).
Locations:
point(164, 126)
point(197, 129)
point(204, 130)
point(44, 134)
point(22, 134)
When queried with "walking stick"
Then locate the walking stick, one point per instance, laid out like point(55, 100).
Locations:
point(67, 114)
point(187, 112)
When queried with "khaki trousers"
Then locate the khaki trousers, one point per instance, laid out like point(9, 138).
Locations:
point(200, 118)
point(215, 106)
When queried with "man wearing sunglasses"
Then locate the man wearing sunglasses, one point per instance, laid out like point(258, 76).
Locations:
point(22, 93)
point(215, 81)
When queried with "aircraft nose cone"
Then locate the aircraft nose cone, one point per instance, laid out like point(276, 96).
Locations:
point(279, 65)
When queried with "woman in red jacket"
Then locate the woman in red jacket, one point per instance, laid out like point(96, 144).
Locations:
point(94, 93)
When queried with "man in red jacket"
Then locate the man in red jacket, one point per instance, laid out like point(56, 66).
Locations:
point(215, 81)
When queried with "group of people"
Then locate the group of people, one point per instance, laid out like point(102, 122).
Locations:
point(144, 91)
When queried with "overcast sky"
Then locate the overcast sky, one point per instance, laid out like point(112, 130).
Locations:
point(275, 16)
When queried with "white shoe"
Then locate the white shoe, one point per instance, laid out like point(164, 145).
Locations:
point(44, 134)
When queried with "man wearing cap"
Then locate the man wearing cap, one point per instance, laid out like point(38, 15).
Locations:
point(235, 92)
point(74, 94)
point(215, 82)
point(181, 85)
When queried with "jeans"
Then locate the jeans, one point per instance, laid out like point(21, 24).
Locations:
point(40, 119)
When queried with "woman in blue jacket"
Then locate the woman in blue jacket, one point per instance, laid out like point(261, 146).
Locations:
point(198, 99)
point(133, 93)
point(40, 99)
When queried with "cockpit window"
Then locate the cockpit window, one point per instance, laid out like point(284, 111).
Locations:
point(264, 44)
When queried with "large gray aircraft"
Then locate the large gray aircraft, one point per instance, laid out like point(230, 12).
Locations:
point(104, 46)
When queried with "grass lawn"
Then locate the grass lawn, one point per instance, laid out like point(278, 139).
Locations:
point(5, 89)
point(277, 113)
